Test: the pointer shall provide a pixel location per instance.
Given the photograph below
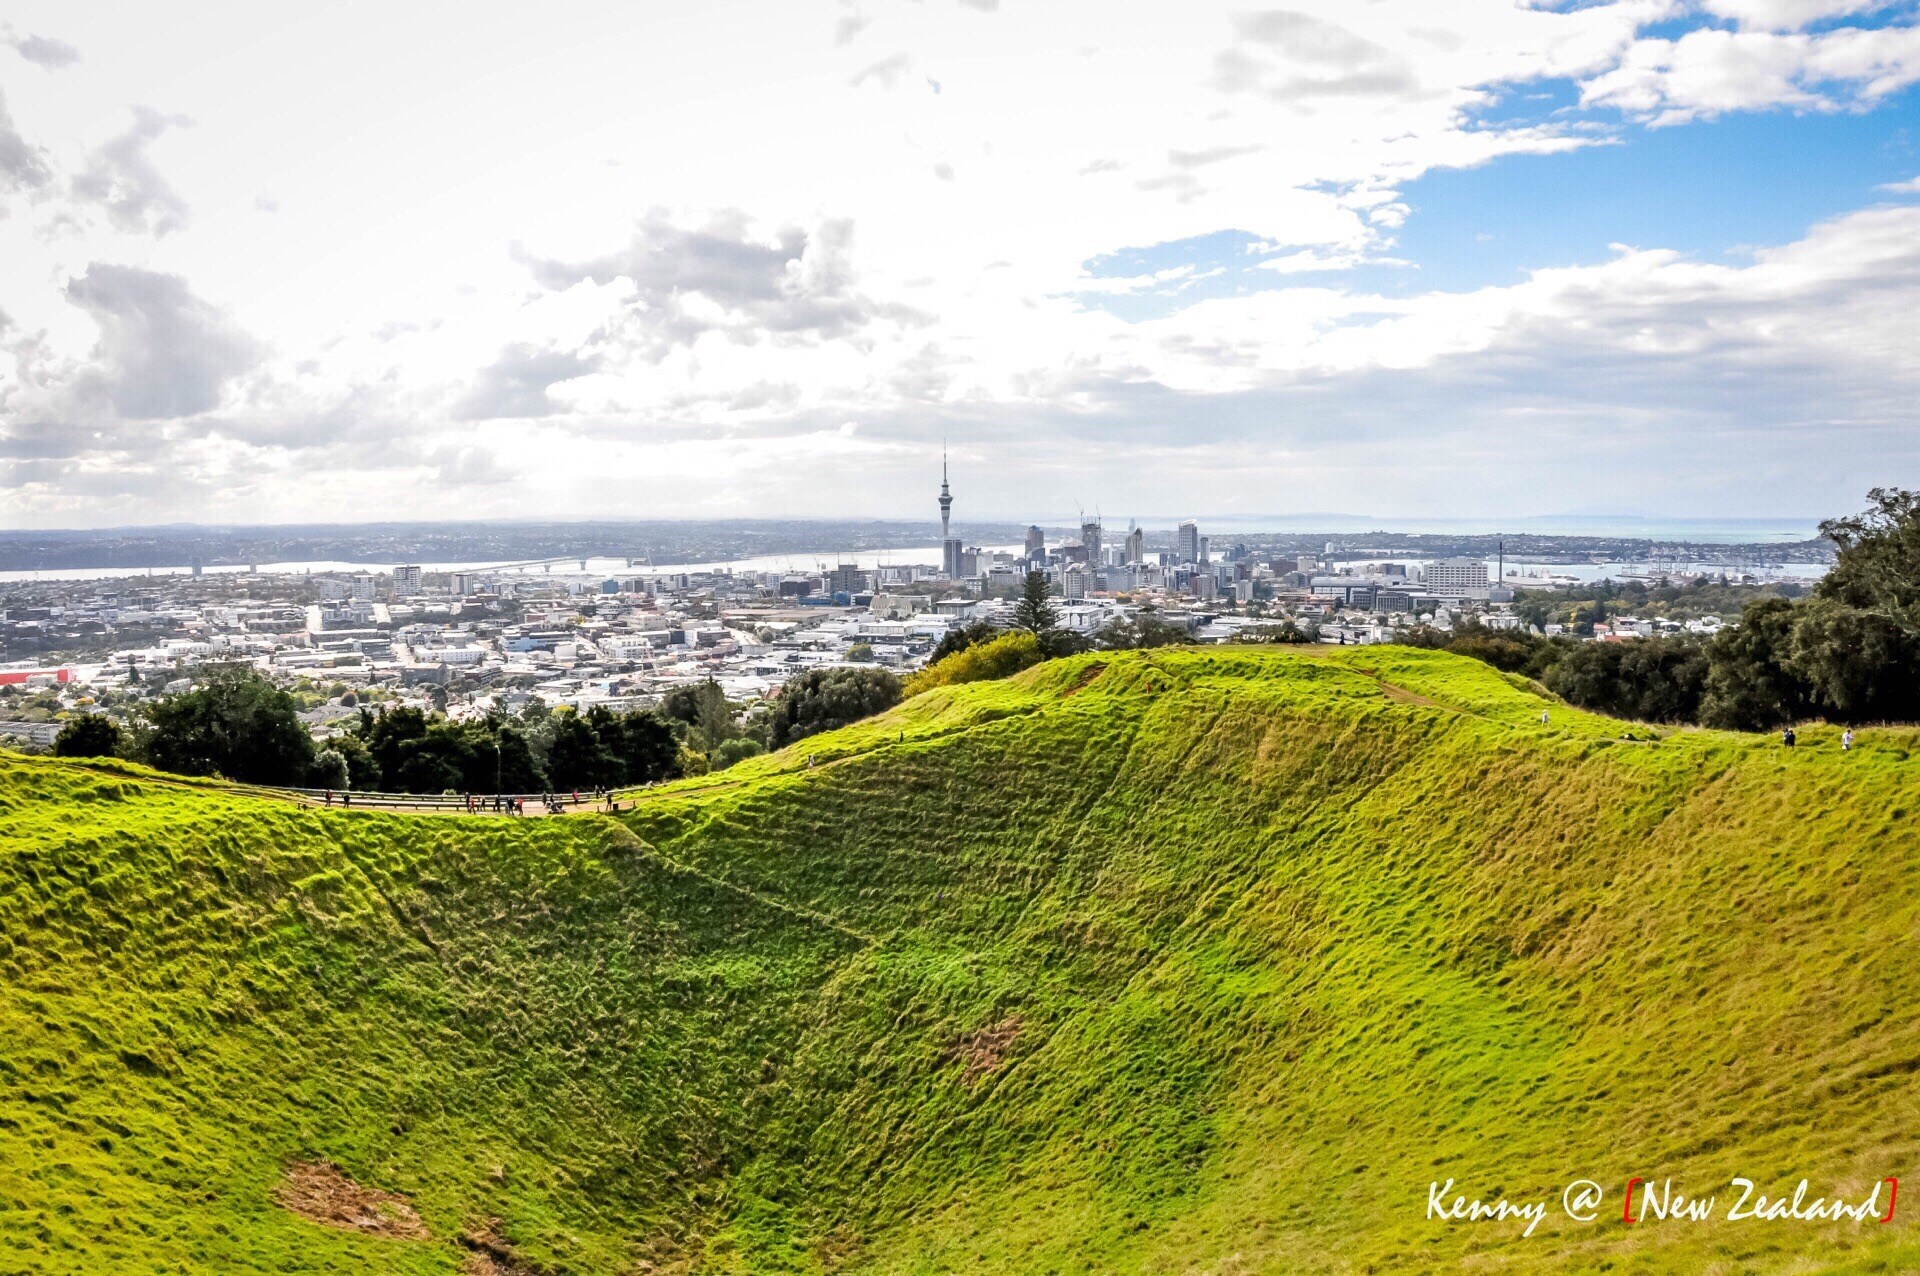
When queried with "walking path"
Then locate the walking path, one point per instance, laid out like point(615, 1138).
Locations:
point(362, 800)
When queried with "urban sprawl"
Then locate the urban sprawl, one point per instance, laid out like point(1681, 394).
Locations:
point(468, 643)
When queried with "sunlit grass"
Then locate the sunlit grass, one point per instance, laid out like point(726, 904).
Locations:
point(1170, 961)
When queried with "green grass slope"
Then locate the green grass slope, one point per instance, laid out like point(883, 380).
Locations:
point(1173, 961)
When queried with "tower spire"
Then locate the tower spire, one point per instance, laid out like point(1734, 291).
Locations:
point(946, 499)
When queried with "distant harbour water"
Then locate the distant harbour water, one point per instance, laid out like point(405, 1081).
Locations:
point(1701, 531)
point(597, 567)
point(617, 568)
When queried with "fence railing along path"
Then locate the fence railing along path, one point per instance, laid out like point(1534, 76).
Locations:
point(459, 803)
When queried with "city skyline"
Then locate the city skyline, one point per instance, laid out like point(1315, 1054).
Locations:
point(1418, 261)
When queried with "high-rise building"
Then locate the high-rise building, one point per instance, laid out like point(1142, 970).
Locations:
point(1090, 538)
point(1036, 541)
point(406, 581)
point(1188, 543)
point(1457, 578)
point(1137, 546)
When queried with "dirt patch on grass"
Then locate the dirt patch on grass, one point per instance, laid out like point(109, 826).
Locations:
point(1087, 675)
point(320, 1192)
point(983, 1051)
point(487, 1265)
point(492, 1254)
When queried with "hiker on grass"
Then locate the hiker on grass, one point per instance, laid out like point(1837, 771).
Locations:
point(1786, 737)
point(1846, 740)
point(1543, 717)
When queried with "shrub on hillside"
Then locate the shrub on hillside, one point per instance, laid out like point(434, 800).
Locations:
point(822, 699)
point(1002, 657)
point(1139, 631)
point(1649, 680)
point(728, 752)
point(329, 770)
point(965, 636)
point(91, 735)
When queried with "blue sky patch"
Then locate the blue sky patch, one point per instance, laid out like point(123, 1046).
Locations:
point(1713, 190)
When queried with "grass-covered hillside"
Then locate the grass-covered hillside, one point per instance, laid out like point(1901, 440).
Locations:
point(1173, 961)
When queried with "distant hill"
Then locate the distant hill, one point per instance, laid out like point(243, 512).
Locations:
point(1171, 961)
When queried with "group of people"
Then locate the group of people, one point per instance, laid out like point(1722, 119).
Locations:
point(1787, 739)
point(507, 804)
point(1787, 736)
point(555, 803)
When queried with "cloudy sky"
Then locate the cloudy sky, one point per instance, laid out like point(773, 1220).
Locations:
point(1401, 257)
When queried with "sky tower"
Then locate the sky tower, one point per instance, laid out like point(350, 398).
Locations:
point(946, 499)
point(952, 561)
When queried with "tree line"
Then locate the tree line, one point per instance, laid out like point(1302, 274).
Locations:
point(1849, 652)
point(237, 724)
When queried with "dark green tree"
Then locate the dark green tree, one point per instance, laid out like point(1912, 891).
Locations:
point(1877, 568)
point(329, 770)
point(1589, 676)
point(1750, 685)
point(821, 699)
point(962, 637)
point(385, 734)
point(646, 748)
point(1858, 666)
point(578, 758)
point(1142, 630)
point(442, 757)
point(91, 735)
point(703, 707)
point(519, 770)
point(732, 751)
point(236, 724)
point(1034, 612)
point(362, 771)
point(1662, 679)
point(1505, 649)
